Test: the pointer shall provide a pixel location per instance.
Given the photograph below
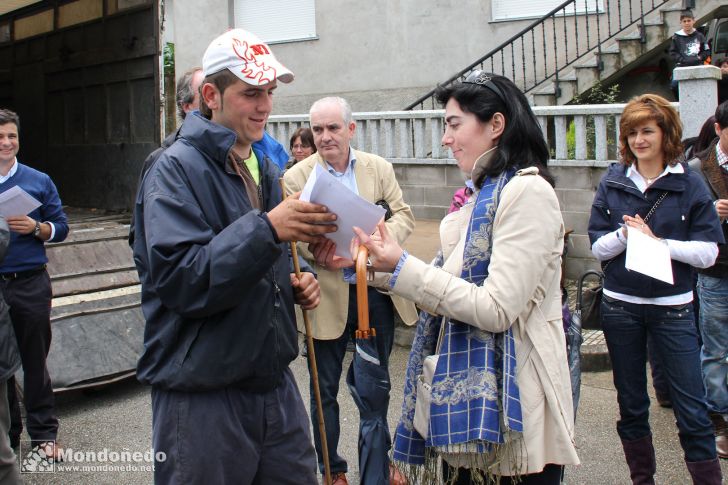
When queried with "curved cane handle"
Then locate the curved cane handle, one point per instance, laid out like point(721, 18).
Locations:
point(362, 299)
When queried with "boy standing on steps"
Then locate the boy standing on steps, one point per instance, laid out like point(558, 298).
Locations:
point(688, 46)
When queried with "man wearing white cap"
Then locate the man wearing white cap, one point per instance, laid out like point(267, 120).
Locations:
point(217, 288)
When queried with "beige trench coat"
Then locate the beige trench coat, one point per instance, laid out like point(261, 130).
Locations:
point(523, 291)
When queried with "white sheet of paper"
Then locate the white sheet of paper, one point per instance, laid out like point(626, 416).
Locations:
point(648, 256)
point(17, 202)
point(350, 209)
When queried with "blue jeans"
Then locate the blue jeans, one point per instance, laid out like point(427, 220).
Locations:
point(714, 329)
point(329, 360)
point(672, 331)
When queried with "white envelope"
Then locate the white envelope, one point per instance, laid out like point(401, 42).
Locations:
point(350, 209)
point(648, 256)
point(17, 202)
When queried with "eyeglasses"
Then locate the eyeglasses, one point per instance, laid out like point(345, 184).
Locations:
point(482, 78)
point(299, 146)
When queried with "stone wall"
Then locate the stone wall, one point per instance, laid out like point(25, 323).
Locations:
point(428, 186)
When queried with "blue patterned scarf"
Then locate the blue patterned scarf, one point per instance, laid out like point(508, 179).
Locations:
point(475, 400)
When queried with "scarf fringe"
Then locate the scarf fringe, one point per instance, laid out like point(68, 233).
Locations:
point(486, 465)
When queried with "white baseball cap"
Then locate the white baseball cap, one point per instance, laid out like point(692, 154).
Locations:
point(245, 55)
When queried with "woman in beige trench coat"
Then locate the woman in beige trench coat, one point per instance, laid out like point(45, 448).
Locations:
point(496, 140)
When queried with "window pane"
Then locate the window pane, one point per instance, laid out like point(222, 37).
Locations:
point(277, 20)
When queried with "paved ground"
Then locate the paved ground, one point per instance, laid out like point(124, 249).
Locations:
point(118, 418)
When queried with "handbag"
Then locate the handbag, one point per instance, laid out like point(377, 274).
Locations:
point(421, 421)
point(589, 301)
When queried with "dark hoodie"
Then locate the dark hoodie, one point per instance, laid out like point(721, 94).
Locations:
point(689, 49)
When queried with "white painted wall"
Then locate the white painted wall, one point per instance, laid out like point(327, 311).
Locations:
point(379, 54)
point(191, 25)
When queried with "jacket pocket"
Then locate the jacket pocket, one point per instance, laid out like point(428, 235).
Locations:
point(191, 330)
point(529, 386)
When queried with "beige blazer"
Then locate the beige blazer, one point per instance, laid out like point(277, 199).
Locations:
point(522, 291)
point(375, 180)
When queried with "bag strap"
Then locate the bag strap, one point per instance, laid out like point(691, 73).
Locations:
point(647, 218)
point(438, 346)
point(654, 206)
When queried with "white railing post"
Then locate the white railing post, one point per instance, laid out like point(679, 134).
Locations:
point(600, 137)
point(562, 150)
point(388, 138)
point(405, 135)
point(436, 137)
point(419, 129)
point(405, 143)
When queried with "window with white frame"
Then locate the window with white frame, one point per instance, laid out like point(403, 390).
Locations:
point(277, 21)
point(523, 9)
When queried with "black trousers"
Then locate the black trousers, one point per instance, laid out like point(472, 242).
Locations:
point(550, 475)
point(30, 310)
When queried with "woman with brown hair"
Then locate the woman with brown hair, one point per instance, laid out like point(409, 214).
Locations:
point(652, 192)
point(301, 146)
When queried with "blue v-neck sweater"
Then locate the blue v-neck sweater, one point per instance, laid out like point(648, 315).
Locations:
point(27, 252)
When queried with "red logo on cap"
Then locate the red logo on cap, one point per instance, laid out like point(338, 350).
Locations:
point(254, 69)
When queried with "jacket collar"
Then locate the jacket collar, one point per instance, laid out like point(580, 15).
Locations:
point(482, 162)
point(212, 139)
point(617, 178)
point(714, 174)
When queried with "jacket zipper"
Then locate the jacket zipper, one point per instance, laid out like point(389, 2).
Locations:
point(276, 308)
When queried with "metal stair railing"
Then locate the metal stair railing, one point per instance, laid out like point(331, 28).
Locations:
point(559, 39)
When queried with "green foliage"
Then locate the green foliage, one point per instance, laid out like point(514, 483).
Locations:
point(168, 57)
point(596, 95)
point(571, 140)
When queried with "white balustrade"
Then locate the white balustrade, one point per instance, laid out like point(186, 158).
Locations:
point(584, 134)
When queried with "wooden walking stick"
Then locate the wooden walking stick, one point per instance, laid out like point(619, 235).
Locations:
point(312, 363)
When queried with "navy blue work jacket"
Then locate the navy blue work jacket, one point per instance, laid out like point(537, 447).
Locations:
point(685, 214)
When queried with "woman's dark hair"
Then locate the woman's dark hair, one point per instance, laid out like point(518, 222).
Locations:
point(696, 145)
point(306, 138)
point(522, 143)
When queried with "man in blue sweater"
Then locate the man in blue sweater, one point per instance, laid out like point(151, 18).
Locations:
point(26, 286)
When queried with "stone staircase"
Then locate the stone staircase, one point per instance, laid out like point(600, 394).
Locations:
point(618, 56)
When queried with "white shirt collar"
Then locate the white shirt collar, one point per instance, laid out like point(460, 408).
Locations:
point(721, 156)
point(641, 182)
point(11, 172)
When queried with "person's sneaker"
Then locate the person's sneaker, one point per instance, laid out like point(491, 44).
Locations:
point(339, 479)
point(52, 450)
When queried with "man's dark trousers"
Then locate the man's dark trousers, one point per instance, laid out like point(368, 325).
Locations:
point(29, 299)
point(329, 361)
point(232, 436)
